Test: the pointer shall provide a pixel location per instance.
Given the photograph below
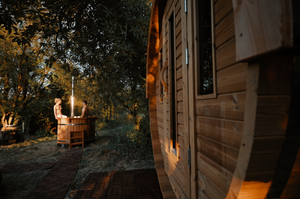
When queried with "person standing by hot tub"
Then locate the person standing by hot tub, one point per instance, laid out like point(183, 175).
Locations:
point(85, 109)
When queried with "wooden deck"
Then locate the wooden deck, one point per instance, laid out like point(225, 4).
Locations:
point(134, 184)
point(26, 167)
point(56, 183)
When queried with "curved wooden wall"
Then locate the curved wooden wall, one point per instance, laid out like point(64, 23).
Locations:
point(152, 53)
point(263, 31)
point(247, 140)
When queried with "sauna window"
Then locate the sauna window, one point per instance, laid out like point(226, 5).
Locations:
point(172, 82)
point(161, 92)
point(205, 75)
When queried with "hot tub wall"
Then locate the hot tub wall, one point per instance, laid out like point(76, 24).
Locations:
point(67, 125)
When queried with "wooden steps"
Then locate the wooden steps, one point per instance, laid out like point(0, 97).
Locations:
point(76, 138)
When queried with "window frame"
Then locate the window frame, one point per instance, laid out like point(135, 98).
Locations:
point(197, 52)
point(160, 66)
point(172, 87)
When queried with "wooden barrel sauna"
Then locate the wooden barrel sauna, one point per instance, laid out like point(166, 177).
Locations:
point(235, 133)
point(67, 125)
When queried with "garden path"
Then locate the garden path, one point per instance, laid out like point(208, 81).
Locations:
point(56, 183)
point(133, 184)
point(26, 167)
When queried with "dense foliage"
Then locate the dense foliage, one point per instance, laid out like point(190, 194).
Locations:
point(102, 43)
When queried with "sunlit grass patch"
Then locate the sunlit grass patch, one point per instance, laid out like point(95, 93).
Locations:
point(31, 151)
point(28, 142)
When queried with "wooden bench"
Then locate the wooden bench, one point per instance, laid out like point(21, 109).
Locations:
point(76, 138)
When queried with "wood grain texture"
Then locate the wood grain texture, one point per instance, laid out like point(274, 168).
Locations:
point(262, 27)
point(178, 19)
point(180, 118)
point(175, 170)
point(226, 54)
point(152, 53)
point(272, 115)
point(184, 85)
point(222, 8)
point(182, 150)
point(169, 9)
point(179, 62)
point(248, 132)
point(221, 154)
point(178, 8)
point(218, 175)
point(228, 132)
point(224, 31)
point(180, 95)
point(191, 100)
point(179, 73)
point(264, 158)
point(179, 84)
point(208, 188)
point(232, 79)
point(263, 138)
point(180, 107)
point(178, 29)
point(178, 51)
point(229, 106)
point(178, 191)
point(181, 130)
point(178, 40)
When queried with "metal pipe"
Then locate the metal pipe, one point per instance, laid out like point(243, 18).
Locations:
point(72, 86)
point(72, 98)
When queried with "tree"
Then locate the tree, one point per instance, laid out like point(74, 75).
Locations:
point(107, 39)
point(23, 76)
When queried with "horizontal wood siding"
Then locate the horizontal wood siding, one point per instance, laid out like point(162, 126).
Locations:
point(220, 120)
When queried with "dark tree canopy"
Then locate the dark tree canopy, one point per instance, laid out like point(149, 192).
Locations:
point(105, 40)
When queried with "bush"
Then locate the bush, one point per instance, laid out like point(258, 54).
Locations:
point(46, 131)
point(133, 140)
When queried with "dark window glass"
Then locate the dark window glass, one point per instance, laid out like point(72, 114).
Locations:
point(172, 76)
point(205, 48)
point(161, 67)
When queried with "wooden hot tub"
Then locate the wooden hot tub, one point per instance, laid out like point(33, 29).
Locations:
point(66, 125)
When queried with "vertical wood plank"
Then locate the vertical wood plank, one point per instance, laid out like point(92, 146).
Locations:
point(192, 116)
point(248, 131)
point(185, 96)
